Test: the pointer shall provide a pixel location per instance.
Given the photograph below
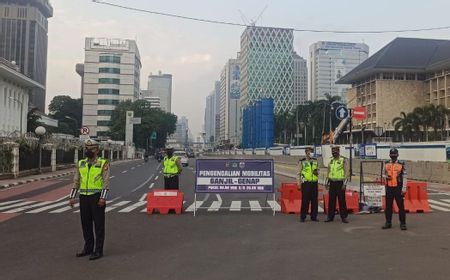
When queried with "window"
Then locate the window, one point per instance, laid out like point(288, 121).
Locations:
point(399, 76)
point(109, 81)
point(104, 112)
point(410, 76)
point(103, 123)
point(110, 58)
point(387, 76)
point(108, 91)
point(108, 102)
point(102, 133)
point(109, 70)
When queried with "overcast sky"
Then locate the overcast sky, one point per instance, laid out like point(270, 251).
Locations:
point(196, 52)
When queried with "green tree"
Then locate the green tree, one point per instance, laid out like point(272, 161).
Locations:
point(33, 120)
point(68, 112)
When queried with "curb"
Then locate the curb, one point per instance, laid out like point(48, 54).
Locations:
point(25, 181)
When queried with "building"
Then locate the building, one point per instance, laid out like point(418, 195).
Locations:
point(216, 93)
point(210, 117)
point(155, 101)
point(266, 61)
point(300, 80)
point(229, 103)
point(181, 134)
point(405, 74)
point(111, 73)
point(161, 86)
point(329, 61)
point(15, 91)
point(23, 39)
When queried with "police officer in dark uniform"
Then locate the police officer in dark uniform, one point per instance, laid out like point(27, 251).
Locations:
point(92, 181)
point(308, 178)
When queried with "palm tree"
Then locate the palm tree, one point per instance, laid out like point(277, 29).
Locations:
point(405, 124)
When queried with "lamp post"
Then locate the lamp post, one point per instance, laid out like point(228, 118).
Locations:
point(21, 111)
point(40, 131)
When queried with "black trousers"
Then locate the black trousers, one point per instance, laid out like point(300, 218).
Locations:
point(92, 216)
point(334, 192)
point(171, 183)
point(391, 194)
point(309, 196)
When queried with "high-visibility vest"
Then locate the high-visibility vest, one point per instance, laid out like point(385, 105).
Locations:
point(308, 167)
point(170, 165)
point(337, 171)
point(395, 171)
point(91, 179)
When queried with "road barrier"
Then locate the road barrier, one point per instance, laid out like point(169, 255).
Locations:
point(164, 201)
point(351, 200)
point(416, 198)
point(290, 199)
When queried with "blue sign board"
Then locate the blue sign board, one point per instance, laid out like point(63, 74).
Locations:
point(234, 176)
point(341, 112)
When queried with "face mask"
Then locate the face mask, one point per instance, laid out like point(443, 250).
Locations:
point(169, 153)
point(394, 157)
point(335, 154)
point(89, 153)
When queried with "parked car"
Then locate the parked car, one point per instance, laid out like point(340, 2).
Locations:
point(183, 157)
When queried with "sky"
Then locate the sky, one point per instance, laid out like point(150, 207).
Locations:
point(195, 53)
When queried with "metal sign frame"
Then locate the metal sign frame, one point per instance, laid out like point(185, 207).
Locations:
point(363, 181)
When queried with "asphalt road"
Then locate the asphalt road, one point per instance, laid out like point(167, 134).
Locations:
point(223, 241)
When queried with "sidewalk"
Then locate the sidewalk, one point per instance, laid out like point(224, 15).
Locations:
point(7, 183)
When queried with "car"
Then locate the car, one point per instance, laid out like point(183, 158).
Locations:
point(183, 157)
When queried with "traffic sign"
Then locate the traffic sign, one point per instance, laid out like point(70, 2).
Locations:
point(84, 130)
point(359, 113)
point(153, 135)
point(341, 112)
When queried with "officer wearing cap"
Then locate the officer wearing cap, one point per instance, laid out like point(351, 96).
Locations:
point(172, 170)
point(394, 174)
point(92, 182)
point(308, 177)
point(338, 173)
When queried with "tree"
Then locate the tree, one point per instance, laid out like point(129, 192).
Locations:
point(68, 112)
point(33, 120)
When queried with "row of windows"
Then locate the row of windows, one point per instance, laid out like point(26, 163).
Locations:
point(109, 70)
point(110, 58)
point(104, 112)
point(108, 102)
point(103, 123)
point(108, 91)
point(109, 81)
point(102, 133)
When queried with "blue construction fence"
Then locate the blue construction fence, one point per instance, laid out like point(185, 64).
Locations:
point(258, 124)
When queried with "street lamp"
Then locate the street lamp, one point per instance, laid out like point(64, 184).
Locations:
point(21, 111)
point(40, 131)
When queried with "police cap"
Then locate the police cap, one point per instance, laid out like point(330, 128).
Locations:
point(335, 147)
point(89, 143)
point(393, 151)
point(309, 148)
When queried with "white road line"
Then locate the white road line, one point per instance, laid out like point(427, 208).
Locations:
point(64, 209)
point(235, 205)
point(143, 184)
point(20, 209)
point(215, 206)
point(160, 171)
point(446, 200)
point(110, 177)
point(197, 205)
point(439, 203)
point(10, 202)
point(132, 168)
point(439, 208)
point(143, 197)
point(156, 178)
point(151, 185)
point(42, 209)
point(133, 206)
point(254, 205)
point(16, 205)
point(125, 171)
point(274, 205)
point(118, 204)
point(144, 210)
point(320, 209)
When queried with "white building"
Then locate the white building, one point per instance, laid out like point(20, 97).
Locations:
point(210, 117)
point(181, 134)
point(161, 85)
point(155, 101)
point(300, 80)
point(229, 103)
point(111, 74)
point(15, 89)
point(329, 61)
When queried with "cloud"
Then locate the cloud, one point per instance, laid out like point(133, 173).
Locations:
point(194, 59)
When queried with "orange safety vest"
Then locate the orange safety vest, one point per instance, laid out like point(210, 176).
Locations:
point(395, 171)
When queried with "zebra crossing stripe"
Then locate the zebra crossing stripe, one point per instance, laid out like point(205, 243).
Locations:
point(133, 206)
point(10, 202)
point(215, 206)
point(439, 208)
point(42, 209)
point(446, 200)
point(235, 205)
point(16, 205)
point(198, 204)
point(118, 204)
point(20, 209)
point(64, 209)
point(274, 205)
point(434, 204)
point(254, 205)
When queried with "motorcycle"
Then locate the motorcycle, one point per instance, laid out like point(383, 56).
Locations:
point(145, 159)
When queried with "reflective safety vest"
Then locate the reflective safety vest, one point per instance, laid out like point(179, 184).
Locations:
point(91, 179)
point(170, 165)
point(336, 169)
point(395, 171)
point(308, 167)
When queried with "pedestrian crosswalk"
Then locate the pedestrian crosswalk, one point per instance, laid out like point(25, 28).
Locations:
point(129, 206)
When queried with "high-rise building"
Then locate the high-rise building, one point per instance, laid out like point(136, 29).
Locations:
point(181, 134)
point(210, 117)
point(217, 112)
point(154, 101)
point(161, 85)
point(23, 39)
point(229, 103)
point(329, 61)
point(300, 80)
point(266, 61)
point(111, 74)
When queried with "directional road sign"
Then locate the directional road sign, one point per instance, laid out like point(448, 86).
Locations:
point(153, 135)
point(341, 112)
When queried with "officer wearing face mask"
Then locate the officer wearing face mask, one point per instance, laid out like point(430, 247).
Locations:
point(92, 182)
point(395, 175)
point(172, 170)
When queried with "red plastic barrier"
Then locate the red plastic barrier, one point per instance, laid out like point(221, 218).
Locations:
point(164, 201)
point(351, 200)
point(416, 198)
point(290, 199)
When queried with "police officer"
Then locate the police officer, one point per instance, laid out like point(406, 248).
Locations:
point(172, 168)
point(92, 181)
point(394, 173)
point(338, 172)
point(308, 177)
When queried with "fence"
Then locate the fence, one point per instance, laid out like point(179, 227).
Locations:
point(6, 159)
point(29, 158)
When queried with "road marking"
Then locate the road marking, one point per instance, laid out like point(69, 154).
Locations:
point(143, 197)
point(110, 177)
point(254, 205)
point(42, 209)
point(118, 204)
point(215, 206)
point(274, 205)
point(439, 208)
point(156, 178)
point(197, 205)
point(151, 185)
point(125, 171)
point(133, 206)
point(20, 209)
point(439, 203)
point(235, 205)
point(446, 200)
point(10, 202)
point(143, 184)
point(320, 209)
point(132, 168)
point(160, 171)
point(16, 205)
point(64, 209)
